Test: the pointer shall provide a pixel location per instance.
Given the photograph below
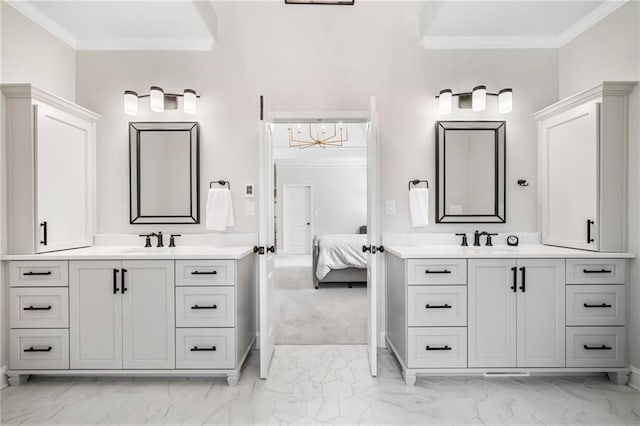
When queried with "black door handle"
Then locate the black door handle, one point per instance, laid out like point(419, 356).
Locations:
point(514, 287)
point(214, 272)
point(197, 349)
point(445, 306)
point(272, 249)
point(32, 349)
point(444, 271)
point(124, 289)
point(603, 305)
point(589, 223)
point(204, 307)
point(438, 348)
point(115, 280)
point(597, 271)
point(308, 223)
point(598, 348)
point(34, 274)
point(524, 276)
point(381, 249)
point(366, 249)
point(258, 249)
point(44, 233)
point(37, 308)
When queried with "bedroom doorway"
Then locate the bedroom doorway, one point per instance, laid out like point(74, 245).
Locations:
point(297, 203)
point(362, 234)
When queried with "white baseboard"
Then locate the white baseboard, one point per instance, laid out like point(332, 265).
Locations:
point(634, 381)
point(3, 377)
point(382, 340)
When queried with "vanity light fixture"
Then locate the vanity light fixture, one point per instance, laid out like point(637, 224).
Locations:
point(159, 101)
point(476, 100)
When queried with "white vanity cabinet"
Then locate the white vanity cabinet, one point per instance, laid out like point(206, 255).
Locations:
point(50, 171)
point(509, 315)
point(583, 169)
point(516, 312)
point(122, 314)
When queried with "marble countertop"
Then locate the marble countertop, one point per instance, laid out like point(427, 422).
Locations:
point(498, 251)
point(107, 252)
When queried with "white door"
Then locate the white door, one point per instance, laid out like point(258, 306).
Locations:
point(373, 235)
point(148, 314)
point(63, 190)
point(95, 315)
point(296, 218)
point(569, 168)
point(266, 239)
point(492, 312)
point(541, 313)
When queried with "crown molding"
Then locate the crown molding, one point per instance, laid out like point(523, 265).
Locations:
point(597, 15)
point(147, 44)
point(44, 21)
point(498, 42)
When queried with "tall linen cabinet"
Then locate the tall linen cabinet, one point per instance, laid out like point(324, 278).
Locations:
point(50, 171)
point(583, 169)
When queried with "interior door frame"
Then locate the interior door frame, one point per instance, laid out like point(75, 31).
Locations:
point(285, 187)
point(370, 118)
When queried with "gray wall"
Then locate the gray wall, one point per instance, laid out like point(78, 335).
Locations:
point(610, 50)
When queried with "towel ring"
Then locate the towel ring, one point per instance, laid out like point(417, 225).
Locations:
point(221, 183)
point(417, 181)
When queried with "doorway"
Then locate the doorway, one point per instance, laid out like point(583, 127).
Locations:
point(297, 202)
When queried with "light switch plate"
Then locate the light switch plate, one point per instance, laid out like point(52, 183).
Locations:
point(391, 207)
point(250, 208)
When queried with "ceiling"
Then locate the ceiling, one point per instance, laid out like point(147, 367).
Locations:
point(192, 24)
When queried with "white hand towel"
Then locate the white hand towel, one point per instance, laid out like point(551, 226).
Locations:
point(219, 209)
point(419, 207)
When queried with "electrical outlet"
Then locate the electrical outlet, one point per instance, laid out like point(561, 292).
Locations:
point(249, 208)
point(391, 207)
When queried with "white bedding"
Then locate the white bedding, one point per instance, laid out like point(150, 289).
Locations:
point(340, 252)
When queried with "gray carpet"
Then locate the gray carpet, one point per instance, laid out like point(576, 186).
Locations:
point(330, 315)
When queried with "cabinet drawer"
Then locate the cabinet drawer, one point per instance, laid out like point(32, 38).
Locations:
point(437, 271)
point(205, 348)
point(39, 349)
point(596, 271)
point(431, 306)
point(595, 305)
point(437, 347)
point(36, 273)
point(596, 347)
point(205, 272)
point(205, 307)
point(39, 307)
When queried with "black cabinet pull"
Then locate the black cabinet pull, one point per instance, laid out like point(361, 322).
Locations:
point(44, 233)
point(124, 289)
point(204, 272)
point(443, 271)
point(597, 271)
point(197, 349)
point(602, 305)
point(37, 308)
point(438, 348)
point(32, 349)
point(115, 281)
point(204, 307)
point(598, 348)
point(36, 274)
point(445, 306)
point(514, 287)
point(589, 223)
point(272, 249)
point(523, 287)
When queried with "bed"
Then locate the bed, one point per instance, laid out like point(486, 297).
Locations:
point(338, 258)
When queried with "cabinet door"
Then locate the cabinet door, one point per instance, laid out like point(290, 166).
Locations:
point(63, 180)
point(95, 315)
point(541, 313)
point(148, 314)
point(492, 313)
point(569, 168)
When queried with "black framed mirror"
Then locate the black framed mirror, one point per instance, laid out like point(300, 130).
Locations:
point(470, 172)
point(164, 173)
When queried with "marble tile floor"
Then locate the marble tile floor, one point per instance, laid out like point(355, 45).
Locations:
point(320, 385)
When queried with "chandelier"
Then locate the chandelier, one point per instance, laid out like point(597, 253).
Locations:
point(322, 138)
